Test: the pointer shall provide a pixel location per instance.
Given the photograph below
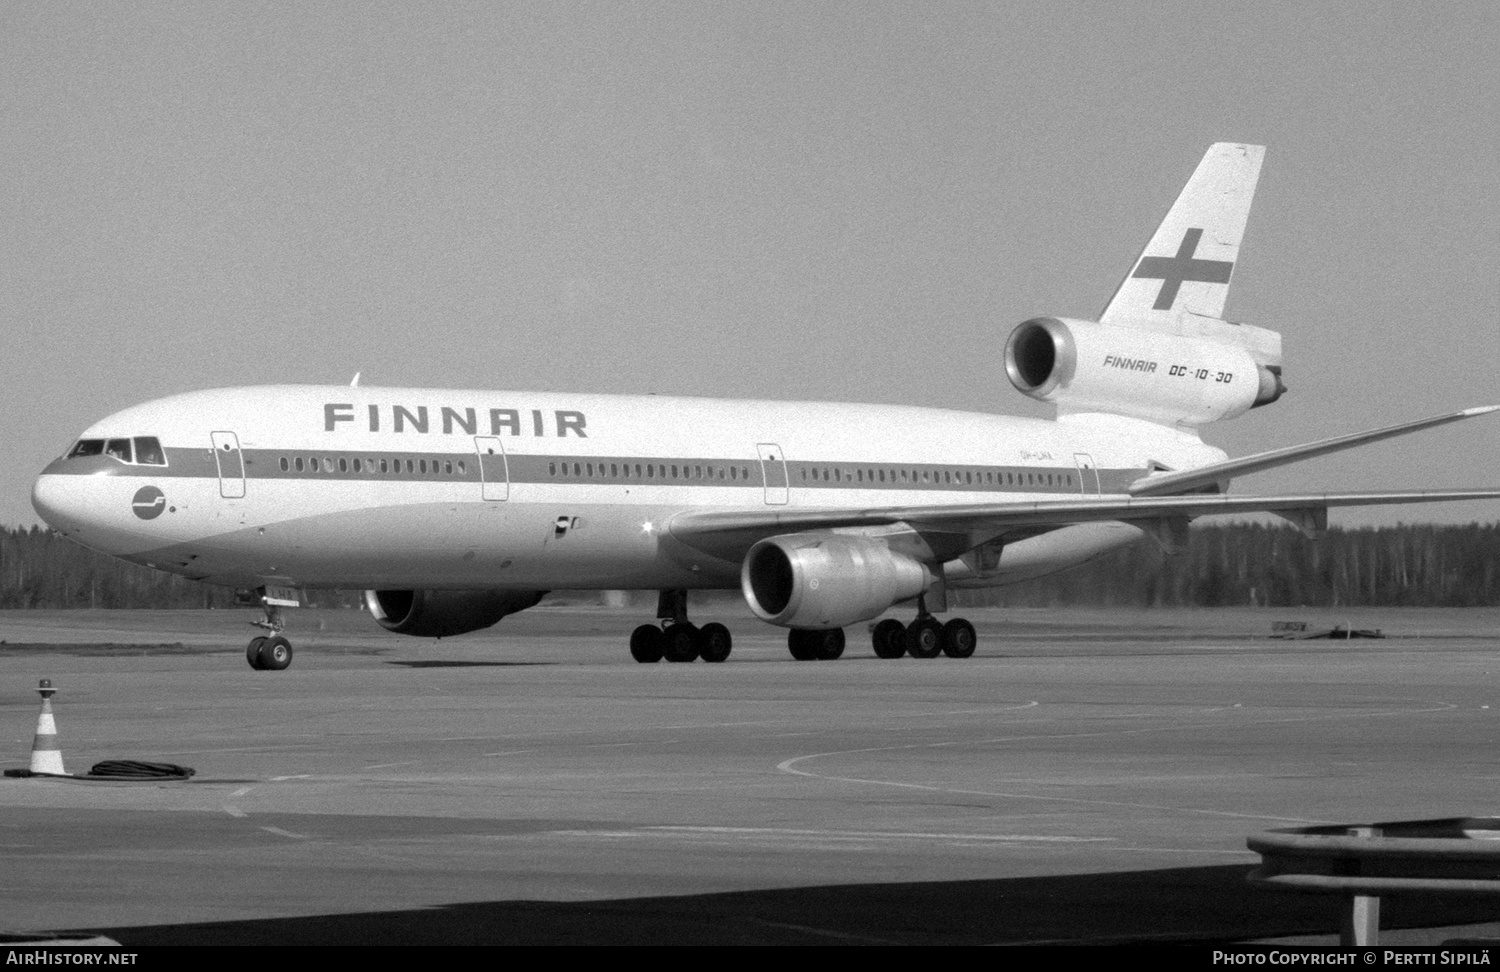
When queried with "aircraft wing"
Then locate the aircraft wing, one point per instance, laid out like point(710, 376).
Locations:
point(953, 530)
point(1187, 480)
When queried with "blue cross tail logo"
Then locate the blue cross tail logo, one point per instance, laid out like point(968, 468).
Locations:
point(1174, 271)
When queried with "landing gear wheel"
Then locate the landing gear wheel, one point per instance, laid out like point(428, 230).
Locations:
point(714, 642)
point(275, 654)
point(252, 653)
point(680, 643)
point(830, 644)
point(646, 644)
point(924, 637)
point(959, 638)
point(802, 644)
point(889, 638)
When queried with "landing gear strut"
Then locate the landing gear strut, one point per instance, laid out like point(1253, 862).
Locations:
point(678, 640)
point(926, 637)
point(269, 652)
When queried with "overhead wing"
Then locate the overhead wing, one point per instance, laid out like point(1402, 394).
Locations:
point(1166, 483)
point(953, 530)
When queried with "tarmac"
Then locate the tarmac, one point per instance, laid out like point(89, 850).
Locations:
point(1087, 777)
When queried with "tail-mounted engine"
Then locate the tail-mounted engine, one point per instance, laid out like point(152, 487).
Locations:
point(827, 580)
point(1203, 370)
point(441, 614)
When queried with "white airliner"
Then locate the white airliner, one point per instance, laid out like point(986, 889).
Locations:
point(455, 508)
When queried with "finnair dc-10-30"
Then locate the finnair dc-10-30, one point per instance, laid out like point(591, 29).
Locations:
point(453, 509)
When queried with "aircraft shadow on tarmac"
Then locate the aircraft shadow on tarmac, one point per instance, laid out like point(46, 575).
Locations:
point(1201, 905)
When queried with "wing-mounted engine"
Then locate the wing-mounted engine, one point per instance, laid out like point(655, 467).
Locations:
point(441, 614)
point(1190, 371)
point(827, 580)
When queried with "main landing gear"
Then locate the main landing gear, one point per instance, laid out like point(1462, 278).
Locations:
point(926, 637)
point(815, 645)
point(680, 640)
point(269, 652)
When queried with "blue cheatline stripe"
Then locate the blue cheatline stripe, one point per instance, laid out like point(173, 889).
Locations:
point(315, 465)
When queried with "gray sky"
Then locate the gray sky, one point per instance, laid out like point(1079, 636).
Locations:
point(777, 200)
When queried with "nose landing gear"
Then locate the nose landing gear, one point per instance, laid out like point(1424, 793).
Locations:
point(269, 653)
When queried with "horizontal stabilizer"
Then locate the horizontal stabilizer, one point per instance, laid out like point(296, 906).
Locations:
point(1165, 484)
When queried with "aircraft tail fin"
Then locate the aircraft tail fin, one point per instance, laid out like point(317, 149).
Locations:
point(1187, 265)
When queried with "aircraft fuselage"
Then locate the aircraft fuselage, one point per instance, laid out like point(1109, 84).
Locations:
point(337, 486)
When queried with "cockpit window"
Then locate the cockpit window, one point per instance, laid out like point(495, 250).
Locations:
point(148, 451)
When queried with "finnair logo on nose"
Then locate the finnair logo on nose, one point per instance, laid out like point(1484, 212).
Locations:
point(148, 503)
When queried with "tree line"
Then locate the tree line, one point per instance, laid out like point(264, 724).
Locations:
point(1416, 565)
point(1233, 564)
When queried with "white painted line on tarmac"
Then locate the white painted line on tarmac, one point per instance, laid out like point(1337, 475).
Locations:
point(830, 836)
point(826, 933)
point(789, 765)
point(284, 833)
point(878, 835)
point(272, 748)
point(1015, 707)
point(1219, 851)
point(233, 810)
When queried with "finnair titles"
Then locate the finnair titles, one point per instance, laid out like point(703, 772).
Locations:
point(457, 421)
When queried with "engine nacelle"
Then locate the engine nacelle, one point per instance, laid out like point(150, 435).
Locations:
point(827, 580)
point(1172, 378)
point(440, 614)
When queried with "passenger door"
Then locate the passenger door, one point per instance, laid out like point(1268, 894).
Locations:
point(1088, 474)
point(773, 468)
point(494, 468)
point(231, 466)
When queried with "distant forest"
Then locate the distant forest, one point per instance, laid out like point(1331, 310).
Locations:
point(1237, 564)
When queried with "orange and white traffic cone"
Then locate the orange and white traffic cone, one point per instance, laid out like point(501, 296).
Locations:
point(45, 756)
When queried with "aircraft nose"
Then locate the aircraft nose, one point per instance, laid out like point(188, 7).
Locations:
point(52, 502)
